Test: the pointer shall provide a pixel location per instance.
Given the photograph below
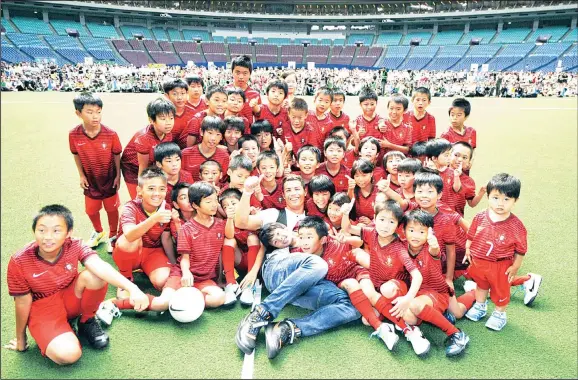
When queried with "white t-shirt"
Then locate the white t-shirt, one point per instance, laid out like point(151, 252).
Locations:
point(270, 215)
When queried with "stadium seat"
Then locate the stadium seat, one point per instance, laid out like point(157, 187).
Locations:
point(20, 40)
point(121, 45)
point(13, 55)
point(485, 36)
point(152, 45)
point(219, 39)
point(448, 37)
point(136, 57)
point(160, 34)
point(572, 36)
point(278, 41)
point(512, 36)
point(239, 49)
point(367, 39)
point(165, 57)
point(190, 56)
point(389, 39)
point(102, 31)
point(425, 37)
point(174, 35)
point(61, 25)
point(191, 34)
point(555, 32)
point(8, 26)
point(32, 25)
point(130, 30)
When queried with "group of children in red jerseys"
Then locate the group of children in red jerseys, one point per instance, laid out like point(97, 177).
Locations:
point(385, 201)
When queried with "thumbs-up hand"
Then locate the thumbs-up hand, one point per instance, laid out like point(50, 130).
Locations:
point(252, 183)
point(347, 207)
point(236, 153)
point(350, 183)
point(383, 184)
point(431, 239)
point(381, 126)
point(253, 102)
point(353, 127)
point(458, 171)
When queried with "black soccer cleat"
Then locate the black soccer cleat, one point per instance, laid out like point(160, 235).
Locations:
point(93, 333)
point(249, 327)
point(279, 335)
point(458, 343)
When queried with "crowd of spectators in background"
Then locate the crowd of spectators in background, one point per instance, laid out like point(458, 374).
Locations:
point(101, 77)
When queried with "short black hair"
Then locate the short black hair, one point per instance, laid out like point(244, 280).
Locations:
point(209, 163)
point(241, 162)
point(298, 104)
point(391, 206)
point(199, 191)
point(260, 126)
point(268, 155)
point(213, 123)
point(505, 184)
point(173, 83)
point(321, 183)
point(234, 122)
point(388, 155)
point(230, 193)
point(339, 129)
point(310, 148)
point(363, 165)
point(242, 61)
point(280, 84)
point(236, 91)
point(324, 91)
point(215, 89)
point(55, 210)
point(399, 99)
point(267, 233)
point(338, 92)
point(367, 93)
point(177, 188)
point(461, 103)
point(243, 139)
point(419, 216)
point(371, 140)
point(160, 106)
point(166, 149)
point(422, 90)
point(334, 141)
point(417, 149)
point(340, 199)
point(195, 79)
point(85, 98)
point(409, 165)
point(466, 145)
point(315, 222)
point(429, 177)
point(150, 173)
point(437, 147)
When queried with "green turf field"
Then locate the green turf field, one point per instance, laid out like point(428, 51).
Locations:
point(534, 139)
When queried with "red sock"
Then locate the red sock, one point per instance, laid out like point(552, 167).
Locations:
point(112, 222)
point(95, 219)
point(125, 303)
point(228, 257)
point(91, 299)
point(468, 299)
point(383, 305)
point(252, 256)
point(125, 261)
point(361, 303)
point(519, 280)
point(433, 316)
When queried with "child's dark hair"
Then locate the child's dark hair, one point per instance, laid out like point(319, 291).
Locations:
point(371, 140)
point(298, 104)
point(437, 147)
point(310, 148)
point(86, 98)
point(199, 191)
point(280, 84)
point(340, 199)
point(268, 155)
point(195, 79)
point(334, 141)
point(237, 91)
point(160, 106)
point(242, 61)
point(241, 162)
point(150, 173)
point(173, 83)
point(246, 138)
point(324, 91)
point(367, 93)
point(364, 166)
point(267, 234)
point(461, 103)
point(320, 184)
point(177, 189)
point(465, 145)
point(399, 99)
point(55, 210)
point(230, 193)
point(213, 123)
point(417, 149)
point(338, 92)
point(315, 222)
point(418, 216)
point(215, 89)
point(261, 126)
point(209, 163)
point(337, 130)
point(391, 154)
point(422, 90)
point(428, 177)
point(234, 122)
point(409, 165)
point(504, 184)
point(165, 150)
point(391, 206)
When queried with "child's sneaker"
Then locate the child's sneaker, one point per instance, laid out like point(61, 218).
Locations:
point(247, 296)
point(497, 321)
point(450, 317)
point(531, 288)
point(469, 285)
point(458, 343)
point(107, 311)
point(387, 333)
point(231, 293)
point(477, 312)
point(95, 239)
point(420, 344)
point(92, 331)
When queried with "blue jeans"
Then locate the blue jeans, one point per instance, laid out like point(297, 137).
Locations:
point(298, 279)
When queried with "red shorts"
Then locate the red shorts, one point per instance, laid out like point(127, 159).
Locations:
point(358, 272)
point(131, 187)
point(93, 206)
point(147, 259)
point(401, 286)
point(174, 280)
point(49, 316)
point(492, 275)
point(441, 301)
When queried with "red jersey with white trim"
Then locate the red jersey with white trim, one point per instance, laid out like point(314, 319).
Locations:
point(457, 201)
point(184, 176)
point(461, 237)
point(193, 127)
point(134, 213)
point(201, 106)
point(193, 159)
point(30, 273)
point(371, 127)
point(444, 230)
point(96, 155)
point(400, 135)
point(279, 121)
point(247, 111)
point(412, 202)
point(321, 126)
point(275, 198)
point(431, 271)
point(339, 180)
point(493, 241)
point(180, 127)
point(305, 136)
point(364, 204)
point(143, 142)
point(241, 237)
point(339, 121)
point(311, 209)
point(203, 245)
point(469, 135)
point(336, 255)
point(422, 129)
point(349, 158)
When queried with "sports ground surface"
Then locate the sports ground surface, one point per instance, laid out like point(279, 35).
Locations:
point(534, 139)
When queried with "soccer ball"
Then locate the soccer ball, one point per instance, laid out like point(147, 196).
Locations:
point(187, 304)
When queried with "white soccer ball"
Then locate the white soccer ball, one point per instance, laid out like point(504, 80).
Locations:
point(187, 304)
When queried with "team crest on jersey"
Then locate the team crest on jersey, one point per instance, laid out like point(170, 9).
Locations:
point(501, 239)
point(68, 267)
point(303, 140)
point(401, 135)
point(423, 127)
point(219, 235)
point(341, 182)
point(389, 261)
point(103, 145)
point(280, 199)
point(420, 263)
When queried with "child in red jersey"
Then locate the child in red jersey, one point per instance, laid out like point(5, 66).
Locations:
point(336, 114)
point(195, 99)
point(365, 190)
point(439, 156)
point(396, 134)
point(319, 118)
point(433, 297)
point(263, 131)
point(168, 159)
point(249, 147)
point(48, 290)
point(320, 189)
point(457, 131)
point(334, 151)
point(216, 106)
point(390, 163)
point(138, 154)
point(96, 149)
point(271, 194)
point(235, 103)
point(176, 90)
point(367, 123)
point(423, 124)
point(351, 143)
point(308, 160)
point(234, 128)
point(273, 112)
point(406, 171)
point(369, 150)
point(460, 160)
point(242, 67)
point(418, 150)
point(299, 132)
point(210, 171)
point(334, 213)
point(182, 210)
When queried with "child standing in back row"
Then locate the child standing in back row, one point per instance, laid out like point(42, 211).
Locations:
point(457, 131)
point(423, 124)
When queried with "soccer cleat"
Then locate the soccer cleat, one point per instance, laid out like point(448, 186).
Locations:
point(531, 288)
point(249, 327)
point(420, 344)
point(450, 317)
point(458, 343)
point(95, 239)
point(94, 333)
point(386, 332)
point(107, 311)
point(231, 294)
point(469, 285)
point(247, 296)
point(477, 312)
point(280, 335)
point(497, 321)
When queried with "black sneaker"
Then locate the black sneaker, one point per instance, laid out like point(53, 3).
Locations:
point(246, 337)
point(92, 331)
point(458, 343)
point(279, 335)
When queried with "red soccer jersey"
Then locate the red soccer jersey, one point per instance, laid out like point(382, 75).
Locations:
point(321, 126)
point(422, 129)
point(388, 262)
point(193, 127)
point(444, 230)
point(247, 111)
point(461, 237)
point(30, 273)
point(143, 142)
point(96, 155)
point(305, 136)
point(349, 158)
point(400, 135)
point(241, 237)
point(279, 121)
point(412, 202)
point(339, 180)
point(457, 200)
point(493, 241)
point(431, 271)
point(364, 204)
point(339, 121)
point(203, 245)
point(180, 127)
point(201, 106)
point(468, 136)
point(340, 266)
point(275, 198)
point(134, 213)
point(184, 176)
point(379, 174)
point(371, 127)
point(193, 159)
point(311, 209)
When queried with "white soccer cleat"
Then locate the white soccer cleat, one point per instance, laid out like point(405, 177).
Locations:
point(420, 344)
point(231, 293)
point(387, 333)
point(531, 288)
point(469, 286)
point(95, 239)
point(247, 296)
point(107, 311)
point(497, 321)
point(109, 247)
